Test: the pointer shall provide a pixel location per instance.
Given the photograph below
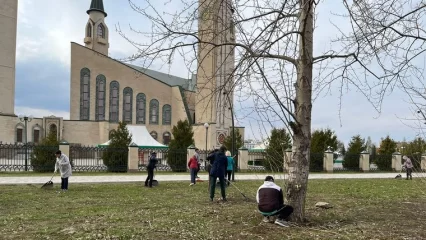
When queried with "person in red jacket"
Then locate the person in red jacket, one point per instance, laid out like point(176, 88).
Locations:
point(193, 167)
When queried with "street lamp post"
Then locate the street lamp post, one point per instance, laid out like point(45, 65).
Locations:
point(26, 119)
point(206, 125)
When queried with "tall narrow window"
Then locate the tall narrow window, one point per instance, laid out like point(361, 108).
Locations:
point(36, 135)
point(154, 135)
point(166, 138)
point(114, 88)
point(127, 105)
point(101, 31)
point(84, 94)
point(100, 97)
point(53, 129)
point(167, 114)
point(19, 135)
point(153, 111)
point(140, 108)
point(89, 30)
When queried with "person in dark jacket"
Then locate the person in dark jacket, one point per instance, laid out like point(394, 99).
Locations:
point(150, 168)
point(210, 159)
point(220, 163)
point(270, 201)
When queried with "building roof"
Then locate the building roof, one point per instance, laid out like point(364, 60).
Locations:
point(187, 84)
point(97, 5)
point(140, 138)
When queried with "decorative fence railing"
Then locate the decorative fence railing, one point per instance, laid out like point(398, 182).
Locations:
point(167, 160)
point(98, 159)
point(20, 157)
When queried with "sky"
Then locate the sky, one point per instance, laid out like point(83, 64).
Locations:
point(46, 28)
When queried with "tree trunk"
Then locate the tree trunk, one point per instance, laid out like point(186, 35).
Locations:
point(299, 162)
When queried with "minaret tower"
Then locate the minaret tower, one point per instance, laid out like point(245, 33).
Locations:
point(8, 26)
point(214, 97)
point(96, 34)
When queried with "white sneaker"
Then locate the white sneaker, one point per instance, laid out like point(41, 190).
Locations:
point(191, 184)
point(282, 223)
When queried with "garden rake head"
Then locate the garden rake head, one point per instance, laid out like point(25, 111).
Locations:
point(49, 184)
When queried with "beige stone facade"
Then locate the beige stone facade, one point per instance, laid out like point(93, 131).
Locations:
point(105, 91)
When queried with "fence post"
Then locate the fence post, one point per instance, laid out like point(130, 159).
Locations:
point(287, 158)
point(243, 158)
point(423, 162)
point(133, 158)
point(396, 161)
point(328, 161)
point(190, 151)
point(64, 147)
point(364, 161)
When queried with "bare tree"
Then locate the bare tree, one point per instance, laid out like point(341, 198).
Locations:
point(377, 49)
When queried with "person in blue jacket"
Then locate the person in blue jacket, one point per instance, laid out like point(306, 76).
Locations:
point(218, 170)
point(230, 167)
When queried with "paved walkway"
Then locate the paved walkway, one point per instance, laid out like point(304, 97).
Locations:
point(172, 177)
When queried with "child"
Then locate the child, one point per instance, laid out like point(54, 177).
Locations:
point(193, 167)
point(408, 165)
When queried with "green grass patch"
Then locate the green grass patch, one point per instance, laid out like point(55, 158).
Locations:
point(362, 209)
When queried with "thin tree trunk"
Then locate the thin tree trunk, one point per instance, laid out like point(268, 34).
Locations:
point(299, 163)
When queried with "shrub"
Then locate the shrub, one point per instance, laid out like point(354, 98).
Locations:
point(183, 137)
point(43, 157)
point(115, 156)
point(383, 162)
point(279, 141)
point(351, 161)
point(316, 162)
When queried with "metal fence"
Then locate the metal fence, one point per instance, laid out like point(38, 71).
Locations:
point(15, 157)
point(167, 160)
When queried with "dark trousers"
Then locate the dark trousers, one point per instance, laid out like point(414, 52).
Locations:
point(228, 175)
point(213, 186)
point(64, 183)
point(193, 172)
point(409, 171)
point(148, 181)
point(284, 212)
point(197, 170)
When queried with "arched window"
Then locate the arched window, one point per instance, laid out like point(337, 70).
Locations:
point(167, 114)
point(127, 104)
point(153, 111)
point(154, 135)
point(140, 108)
point(36, 133)
point(100, 97)
point(53, 129)
point(114, 88)
point(84, 94)
point(19, 133)
point(101, 31)
point(166, 138)
point(89, 30)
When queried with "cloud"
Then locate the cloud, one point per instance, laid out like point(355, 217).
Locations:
point(42, 84)
point(35, 112)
